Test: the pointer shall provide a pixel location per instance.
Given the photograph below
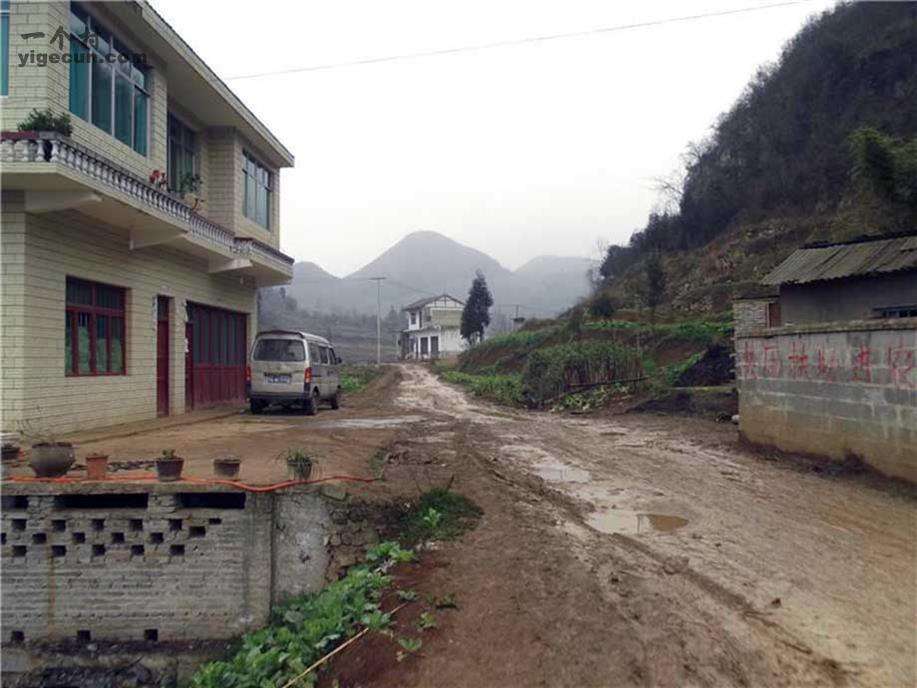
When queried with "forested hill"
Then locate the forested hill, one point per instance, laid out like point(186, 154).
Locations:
point(820, 145)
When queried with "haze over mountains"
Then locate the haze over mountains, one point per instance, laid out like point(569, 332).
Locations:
point(428, 263)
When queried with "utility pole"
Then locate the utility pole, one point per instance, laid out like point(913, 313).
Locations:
point(378, 281)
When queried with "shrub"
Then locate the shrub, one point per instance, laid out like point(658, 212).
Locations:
point(555, 370)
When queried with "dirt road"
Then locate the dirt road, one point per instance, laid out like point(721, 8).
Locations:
point(650, 550)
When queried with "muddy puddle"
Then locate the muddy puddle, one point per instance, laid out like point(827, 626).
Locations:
point(557, 472)
point(368, 423)
point(634, 523)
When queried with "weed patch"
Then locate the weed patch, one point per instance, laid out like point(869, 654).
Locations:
point(439, 514)
point(505, 389)
point(356, 377)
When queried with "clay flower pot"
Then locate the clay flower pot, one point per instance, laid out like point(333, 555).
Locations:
point(97, 466)
point(51, 459)
point(168, 469)
point(226, 467)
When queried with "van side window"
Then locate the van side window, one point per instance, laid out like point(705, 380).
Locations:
point(324, 352)
point(314, 356)
point(334, 356)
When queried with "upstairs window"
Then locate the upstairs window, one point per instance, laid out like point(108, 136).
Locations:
point(256, 204)
point(107, 85)
point(182, 152)
point(94, 329)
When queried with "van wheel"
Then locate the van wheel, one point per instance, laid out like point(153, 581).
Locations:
point(312, 404)
point(336, 400)
point(256, 406)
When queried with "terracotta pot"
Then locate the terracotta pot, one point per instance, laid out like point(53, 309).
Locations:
point(169, 470)
point(226, 467)
point(97, 466)
point(51, 459)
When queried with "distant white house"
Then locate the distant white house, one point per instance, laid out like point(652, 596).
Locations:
point(433, 328)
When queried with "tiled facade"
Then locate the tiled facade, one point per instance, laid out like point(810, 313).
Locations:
point(72, 218)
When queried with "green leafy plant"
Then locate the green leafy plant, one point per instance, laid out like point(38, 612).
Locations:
point(389, 551)
point(47, 120)
point(410, 644)
point(504, 389)
point(426, 621)
point(355, 377)
point(168, 454)
point(189, 183)
point(407, 595)
point(304, 629)
point(432, 518)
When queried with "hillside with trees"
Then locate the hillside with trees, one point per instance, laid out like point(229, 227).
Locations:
point(820, 146)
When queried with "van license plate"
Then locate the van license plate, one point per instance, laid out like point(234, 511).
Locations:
point(278, 379)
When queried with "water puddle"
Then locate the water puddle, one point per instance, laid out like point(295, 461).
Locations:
point(368, 423)
point(634, 523)
point(558, 472)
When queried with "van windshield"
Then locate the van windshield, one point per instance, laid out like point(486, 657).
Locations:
point(279, 350)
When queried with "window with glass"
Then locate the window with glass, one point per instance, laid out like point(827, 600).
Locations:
point(256, 204)
point(107, 85)
point(94, 329)
point(4, 47)
point(182, 152)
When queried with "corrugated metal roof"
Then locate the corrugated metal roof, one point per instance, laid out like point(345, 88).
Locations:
point(846, 260)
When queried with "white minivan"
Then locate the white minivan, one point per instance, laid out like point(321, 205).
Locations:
point(292, 368)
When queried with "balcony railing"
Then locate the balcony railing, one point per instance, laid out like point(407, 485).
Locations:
point(21, 147)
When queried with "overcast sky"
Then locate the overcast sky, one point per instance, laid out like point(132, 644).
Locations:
point(542, 148)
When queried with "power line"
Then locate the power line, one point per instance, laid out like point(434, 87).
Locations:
point(514, 42)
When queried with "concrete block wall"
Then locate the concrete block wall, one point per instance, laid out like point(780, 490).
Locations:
point(838, 390)
point(164, 572)
point(179, 565)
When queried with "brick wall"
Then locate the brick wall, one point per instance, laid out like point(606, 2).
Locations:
point(750, 314)
point(165, 564)
point(833, 390)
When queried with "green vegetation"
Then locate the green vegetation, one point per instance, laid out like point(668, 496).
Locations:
point(504, 389)
point(886, 164)
point(440, 514)
point(777, 170)
point(476, 314)
point(47, 120)
point(308, 627)
point(552, 371)
point(356, 377)
point(702, 332)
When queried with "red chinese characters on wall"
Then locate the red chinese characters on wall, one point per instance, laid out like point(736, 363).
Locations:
point(900, 361)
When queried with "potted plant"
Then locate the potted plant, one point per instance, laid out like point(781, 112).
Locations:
point(226, 466)
point(48, 457)
point(299, 464)
point(44, 124)
point(189, 186)
point(96, 466)
point(169, 466)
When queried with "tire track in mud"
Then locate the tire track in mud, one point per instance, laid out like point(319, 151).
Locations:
point(715, 633)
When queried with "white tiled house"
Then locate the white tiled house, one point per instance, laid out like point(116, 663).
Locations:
point(118, 301)
point(433, 328)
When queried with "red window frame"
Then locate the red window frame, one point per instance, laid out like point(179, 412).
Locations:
point(93, 311)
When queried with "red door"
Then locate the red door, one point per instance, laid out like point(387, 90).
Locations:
point(218, 351)
point(162, 356)
point(189, 366)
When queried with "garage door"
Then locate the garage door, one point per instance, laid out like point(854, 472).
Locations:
point(216, 356)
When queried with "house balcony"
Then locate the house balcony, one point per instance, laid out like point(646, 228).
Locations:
point(57, 174)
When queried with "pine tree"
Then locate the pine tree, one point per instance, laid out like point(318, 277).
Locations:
point(476, 315)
